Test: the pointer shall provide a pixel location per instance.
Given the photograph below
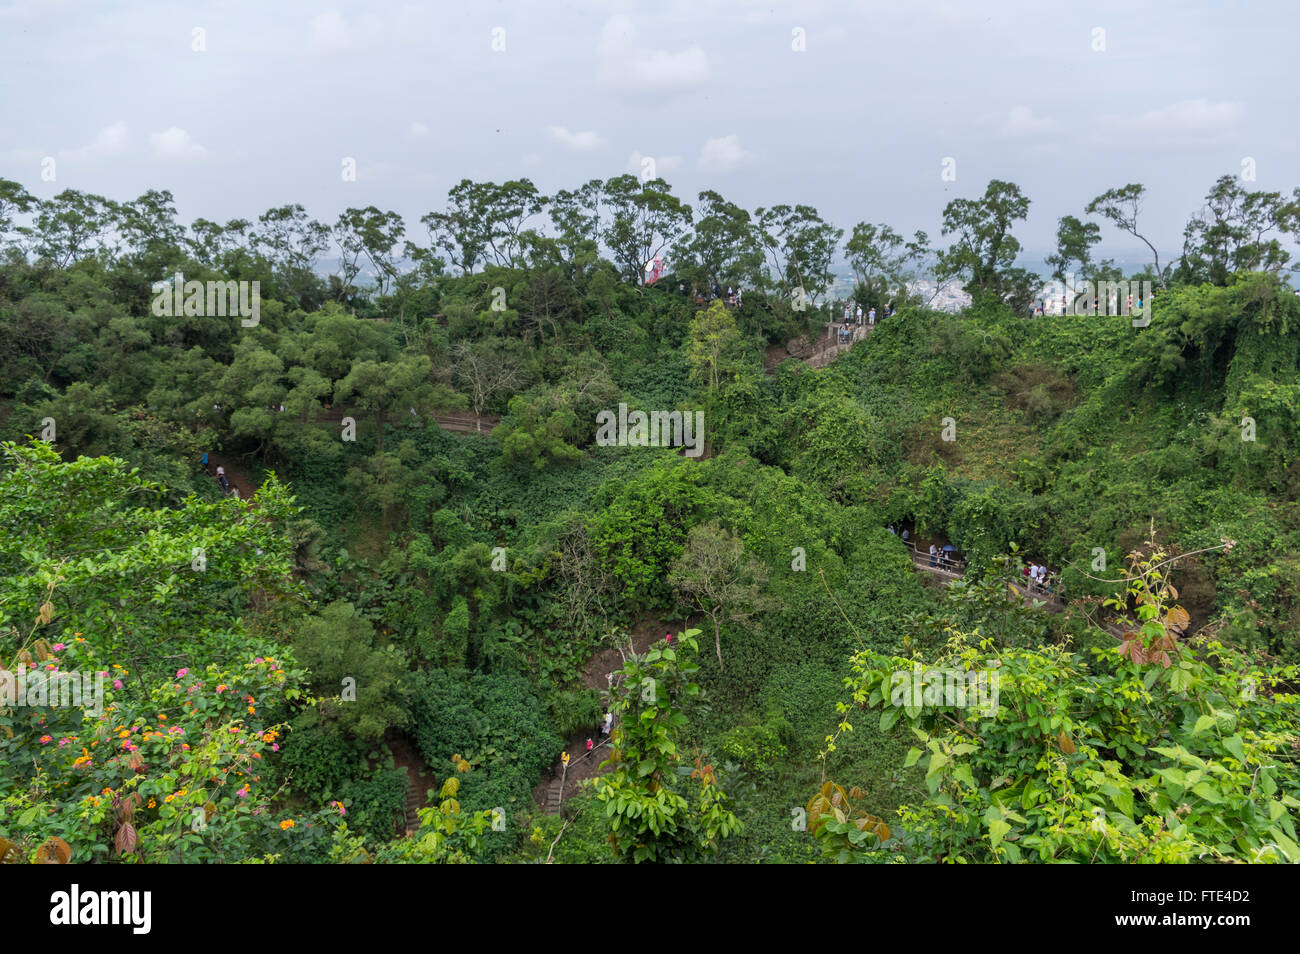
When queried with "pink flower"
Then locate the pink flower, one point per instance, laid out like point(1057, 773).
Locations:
point(63, 742)
point(243, 792)
point(176, 730)
point(342, 811)
point(46, 739)
point(275, 746)
point(59, 647)
point(182, 672)
point(117, 683)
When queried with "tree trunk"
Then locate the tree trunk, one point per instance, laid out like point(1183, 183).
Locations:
point(717, 641)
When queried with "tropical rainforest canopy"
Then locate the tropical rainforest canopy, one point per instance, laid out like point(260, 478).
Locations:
point(391, 641)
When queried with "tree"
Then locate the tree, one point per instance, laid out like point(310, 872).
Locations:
point(71, 226)
point(292, 243)
point(149, 228)
point(13, 199)
point(339, 645)
point(712, 341)
point(507, 207)
point(799, 246)
point(385, 388)
point(487, 369)
point(1228, 234)
point(482, 219)
point(984, 251)
point(211, 243)
point(1121, 207)
point(723, 249)
point(883, 260)
point(718, 578)
point(1074, 242)
point(575, 219)
point(289, 239)
point(645, 794)
point(646, 218)
point(370, 233)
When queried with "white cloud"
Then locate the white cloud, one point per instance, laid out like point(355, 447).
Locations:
point(1190, 117)
point(627, 66)
point(111, 141)
point(175, 143)
point(1187, 124)
point(724, 154)
point(654, 167)
point(576, 140)
point(1021, 123)
point(419, 131)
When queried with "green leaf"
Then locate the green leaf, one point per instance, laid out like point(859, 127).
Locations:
point(997, 829)
point(912, 755)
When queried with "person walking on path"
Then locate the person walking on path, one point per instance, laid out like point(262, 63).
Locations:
point(871, 317)
point(859, 313)
point(934, 555)
point(221, 479)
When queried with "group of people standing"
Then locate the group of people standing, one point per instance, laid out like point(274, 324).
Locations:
point(732, 296)
point(854, 316)
point(1037, 576)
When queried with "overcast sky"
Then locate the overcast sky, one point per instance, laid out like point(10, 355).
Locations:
point(850, 107)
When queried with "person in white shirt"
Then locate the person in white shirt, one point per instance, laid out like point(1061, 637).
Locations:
point(859, 314)
point(871, 317)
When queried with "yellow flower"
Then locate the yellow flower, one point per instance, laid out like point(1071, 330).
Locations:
point(252, 711)
point(286, 824)
point(152, 803)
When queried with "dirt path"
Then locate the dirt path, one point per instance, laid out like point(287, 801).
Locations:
point(240, 483)
point(551, 792)
point(815, 354)
point(418, 773)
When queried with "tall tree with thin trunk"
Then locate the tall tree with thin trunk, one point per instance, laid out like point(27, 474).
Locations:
point(1121, 207)
point(719, 578)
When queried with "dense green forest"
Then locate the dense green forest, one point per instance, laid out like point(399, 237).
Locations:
point(389, 614)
